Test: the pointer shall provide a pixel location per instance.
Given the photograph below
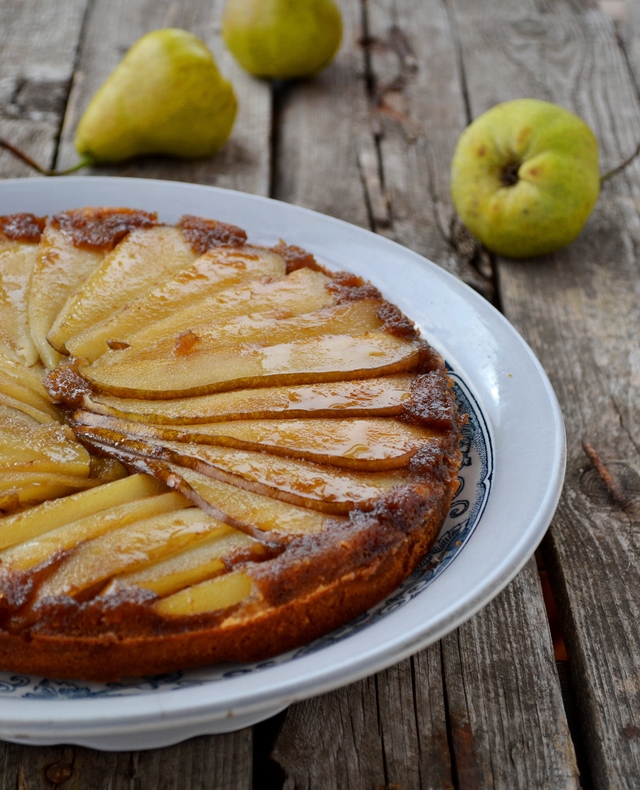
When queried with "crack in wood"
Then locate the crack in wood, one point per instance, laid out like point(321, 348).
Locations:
point(611, 482)
point(375, 194)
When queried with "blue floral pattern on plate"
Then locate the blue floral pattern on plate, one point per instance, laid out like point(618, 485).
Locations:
point(476, 474)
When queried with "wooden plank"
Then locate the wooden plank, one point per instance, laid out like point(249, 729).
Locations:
point(38, 43)
point(331, 741)
point(579, 310)
point(357, 747)
point(418, 113)
point(507, 720)
point(394, 33)
point(321, 126)
point(204, 763)
point(244, 163)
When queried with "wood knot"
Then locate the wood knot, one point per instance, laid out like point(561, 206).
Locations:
point(608, 481)
point(58, 773)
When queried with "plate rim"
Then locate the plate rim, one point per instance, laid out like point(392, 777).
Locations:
point(169, 709)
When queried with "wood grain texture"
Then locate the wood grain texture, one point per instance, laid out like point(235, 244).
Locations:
point(204, 763)
point(580, 310)
point(112, 26)
point(321, 129)
point(418, 112)
point(508, 727)
point(38, 44)
point(385, 731)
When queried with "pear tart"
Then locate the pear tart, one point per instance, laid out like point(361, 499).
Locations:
point(211, 451)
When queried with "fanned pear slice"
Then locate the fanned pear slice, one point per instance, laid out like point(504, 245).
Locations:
point(247, 507)
point(59, 269)
point(193, 346)
point(245, 510)
point(302, 291)
point(48, 545)
point(306, 361)
point(325, 488)
point(127, 547)
point(374, 397)
point(29, 377)
point(50, 515)
point(144, 257)
point(17, 261)
point(24, 385)
point(221, 592)
point(9, 415)
point(43, 448)
point(51, 486)
point(216, 270)
point(10, 479)
point(373, 445)
point(192, 565)
point(42, 413)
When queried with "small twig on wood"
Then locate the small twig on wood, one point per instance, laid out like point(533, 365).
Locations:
point(38, 168)
point(613, 487)
point(621, 166)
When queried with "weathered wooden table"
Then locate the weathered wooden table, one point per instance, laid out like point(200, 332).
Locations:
point(370, 141)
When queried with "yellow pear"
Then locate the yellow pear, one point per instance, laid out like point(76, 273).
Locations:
point(166, 96)
point(282, 39)
point(525, 177)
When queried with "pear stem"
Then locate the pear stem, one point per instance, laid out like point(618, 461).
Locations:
point(38, 168)
point(621, 166)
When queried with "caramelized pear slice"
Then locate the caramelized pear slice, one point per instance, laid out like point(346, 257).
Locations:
point(324, 488)
point(22, 384)
point(247, 511)
point(28, 377)
point(10, 415)
point(196, 344)
point(218, 269)
point(46, 546)
point(59, 269)
point(373, 445)
point(303, 291)
point(16, 265)
point(32, 488)
point(127, 547)
point(206, 558)
point(218, 593)
point(135, 266)
point(247, 507)
point(42, 413)
point(375, 397)
point(9, 478)
point(305, 361)
point(43, 448)
point(50, 515)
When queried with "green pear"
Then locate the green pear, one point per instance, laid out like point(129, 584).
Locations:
point(525, 177)
point(166, 96)
point(282, 39)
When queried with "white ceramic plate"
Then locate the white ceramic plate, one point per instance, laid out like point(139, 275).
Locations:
point(514, 466)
